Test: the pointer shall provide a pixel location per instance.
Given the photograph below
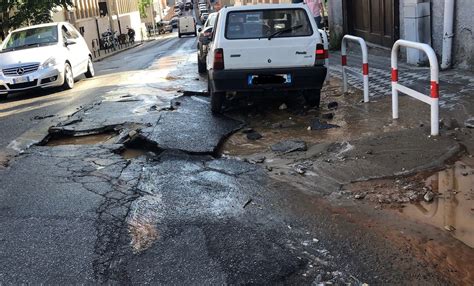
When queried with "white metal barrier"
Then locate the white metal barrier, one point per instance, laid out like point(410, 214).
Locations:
point(433, 101)
point(365, 63)
point(326, 48)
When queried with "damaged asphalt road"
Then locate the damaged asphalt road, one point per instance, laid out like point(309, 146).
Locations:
point(170, 218)
point(146, 186)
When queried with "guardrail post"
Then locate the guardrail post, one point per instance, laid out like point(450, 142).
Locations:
point(433, 98)
point(365, 63)
point(344, 63)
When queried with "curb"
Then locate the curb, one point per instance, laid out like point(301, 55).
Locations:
point(116, 52)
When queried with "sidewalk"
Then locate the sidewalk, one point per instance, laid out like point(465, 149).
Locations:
point(456, 86)
point(104, 55)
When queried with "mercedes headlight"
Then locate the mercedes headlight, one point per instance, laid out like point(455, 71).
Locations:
point(49, 63)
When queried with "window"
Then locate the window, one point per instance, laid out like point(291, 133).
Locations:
point(72, 31)
point(214, 29)
point(66, 34)
point(32, 37)
point(278, 23)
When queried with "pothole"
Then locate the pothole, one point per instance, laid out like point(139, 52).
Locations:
point(132, 153)
point(59, 140)
point(452, 206)
point(138, 146)
point(444, 200)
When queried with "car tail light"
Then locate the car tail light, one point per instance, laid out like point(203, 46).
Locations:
point(218, 59)
point(320, 55)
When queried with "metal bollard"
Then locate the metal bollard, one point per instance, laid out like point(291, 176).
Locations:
point(433, 98)
point(365, 63)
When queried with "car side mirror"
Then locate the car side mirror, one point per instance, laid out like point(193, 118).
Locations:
point(200, 30)
point(207, 39)
point(70, 42)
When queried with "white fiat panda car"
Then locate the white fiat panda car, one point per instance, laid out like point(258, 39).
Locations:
point(265, 47)
point(43, 56)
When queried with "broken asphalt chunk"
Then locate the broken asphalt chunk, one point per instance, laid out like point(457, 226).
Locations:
point(317, 124)
point(288, 146)
point(328, 116)
point(191, 128)
point(254, 135)
point(469, 123)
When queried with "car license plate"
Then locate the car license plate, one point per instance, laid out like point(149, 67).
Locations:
point(269, 79)
point(21, 79)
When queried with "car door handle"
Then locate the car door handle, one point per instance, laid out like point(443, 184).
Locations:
point(235, 56)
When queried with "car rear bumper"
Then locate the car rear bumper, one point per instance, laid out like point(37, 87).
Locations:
point(302, 78)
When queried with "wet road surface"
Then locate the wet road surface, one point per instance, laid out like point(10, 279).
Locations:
point(142, 184)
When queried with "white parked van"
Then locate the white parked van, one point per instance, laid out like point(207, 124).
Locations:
point(265, 47)
point(187, 26)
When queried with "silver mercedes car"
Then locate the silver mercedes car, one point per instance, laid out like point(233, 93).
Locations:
point(42, 56)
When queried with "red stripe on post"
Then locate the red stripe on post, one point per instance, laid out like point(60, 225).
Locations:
point(394, 75)
point(365, 69)
point(434, 89)
point(344, 60)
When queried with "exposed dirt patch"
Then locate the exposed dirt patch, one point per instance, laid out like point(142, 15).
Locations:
point(354, 118)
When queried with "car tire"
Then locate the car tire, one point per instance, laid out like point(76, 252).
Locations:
point(313, 97)
point(179, 35)
point(201, 66)
point(217, 99)
point(68, 77)
point(90, 69)
point(195, 34)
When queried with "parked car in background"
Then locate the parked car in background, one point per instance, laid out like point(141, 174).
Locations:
point(164, 27)
point(204, 17)
point(282, 51)
point(42, 56)
point(174, 22)
point(187, 26)
point(203, 40)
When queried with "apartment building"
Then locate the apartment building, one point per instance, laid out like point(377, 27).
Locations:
point(94, 17)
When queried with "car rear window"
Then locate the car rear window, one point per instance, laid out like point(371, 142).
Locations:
point(277, 23)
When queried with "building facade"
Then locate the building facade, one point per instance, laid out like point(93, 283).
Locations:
point(94, 17)
point(255, 2)
point(382, 22)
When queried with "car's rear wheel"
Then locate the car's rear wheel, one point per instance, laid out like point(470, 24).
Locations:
point(179, 35)
point(68, 77)
point(201, 65)
point(312, 97)
point(90, 69)
point(217, 99)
